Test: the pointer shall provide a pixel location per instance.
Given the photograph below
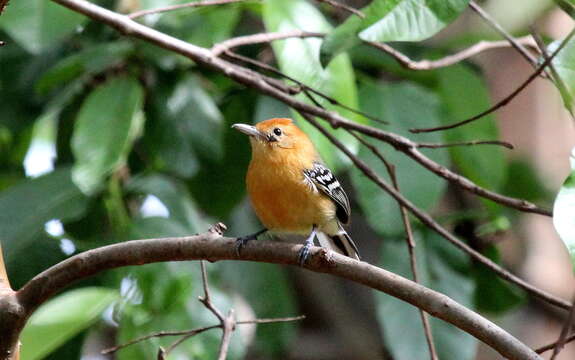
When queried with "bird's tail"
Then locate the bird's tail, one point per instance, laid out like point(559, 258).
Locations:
point(340, 242)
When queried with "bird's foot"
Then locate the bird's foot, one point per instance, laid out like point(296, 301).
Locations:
point(304, 251)
point(303, 254)
point(242, 241)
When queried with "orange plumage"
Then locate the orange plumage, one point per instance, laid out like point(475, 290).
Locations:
point(289, 187)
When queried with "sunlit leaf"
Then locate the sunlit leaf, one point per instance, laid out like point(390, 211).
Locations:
point(392, 20)
point(403, 106)
point(564, 211)
point(107, 125)
point(62, 318)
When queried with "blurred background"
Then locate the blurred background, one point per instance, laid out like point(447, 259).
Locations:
point(105, 139)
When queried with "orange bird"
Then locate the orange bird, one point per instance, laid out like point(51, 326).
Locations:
point(292, 191)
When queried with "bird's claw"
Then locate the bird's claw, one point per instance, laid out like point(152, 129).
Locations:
point(241, 242)
point(303, 254)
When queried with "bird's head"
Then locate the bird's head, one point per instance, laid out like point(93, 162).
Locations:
point(275, 135)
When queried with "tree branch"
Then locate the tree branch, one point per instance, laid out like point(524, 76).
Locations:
point(433, 225)
point(205, 57)
point(516, 44)
point(213, 247)
point(339, 5)
point(448, 60)
point(501, 103)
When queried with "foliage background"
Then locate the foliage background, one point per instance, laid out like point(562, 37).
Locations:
point(105, 139)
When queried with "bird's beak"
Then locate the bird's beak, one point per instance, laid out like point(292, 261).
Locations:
point(249, 130)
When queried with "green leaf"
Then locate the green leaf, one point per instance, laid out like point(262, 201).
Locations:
point(86, 63)
point(198, 117)
point(392, 20)
point(404, 105)
point(464, 94)
point(401, 322)
point(62, 318)
point(107, 125)
point(38, 25)
point(34, 202)
point(564, 71)
point(564, 211)
point(299, 58)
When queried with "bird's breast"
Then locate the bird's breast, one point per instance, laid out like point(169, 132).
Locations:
point(282, 199)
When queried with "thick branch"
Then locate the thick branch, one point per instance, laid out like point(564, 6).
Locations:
point(211, 246)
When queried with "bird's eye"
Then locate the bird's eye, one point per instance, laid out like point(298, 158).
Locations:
point(277, 131)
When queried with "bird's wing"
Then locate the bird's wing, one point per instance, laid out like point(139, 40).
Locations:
point(321, 178)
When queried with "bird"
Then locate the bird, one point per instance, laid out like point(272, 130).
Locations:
point(292, 191)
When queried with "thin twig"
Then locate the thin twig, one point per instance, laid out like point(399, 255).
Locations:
point(495, 25)
point(195, 4)
point(557, 80)
point(409, 239)
point(467, 143)
point(197, 331)
point(227, 323)
point(228, 328)
point(448, 60)
point(509, 97)
point(551, 346)
point(339, 5)
point(259, 38)
point(565, 331)
point(206, 299)
point(302, 86)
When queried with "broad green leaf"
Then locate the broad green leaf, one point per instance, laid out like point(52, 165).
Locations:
point(401, 322)
point(108, 123)
point(85, 63)
point(166, 137)
point(34, 202)
point(403, 106)
point(299, 58)
point(564, 71)
point(175, 197)
point(464, 94)
point(62, 318)
point(392, 20)
point(564, 211)
point(38, 24)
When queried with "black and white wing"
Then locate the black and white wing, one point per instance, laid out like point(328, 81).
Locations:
point(321, 178)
